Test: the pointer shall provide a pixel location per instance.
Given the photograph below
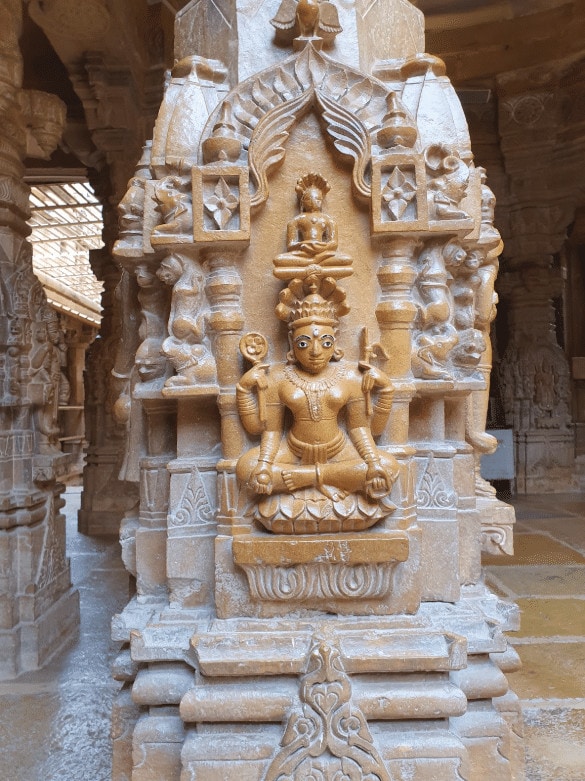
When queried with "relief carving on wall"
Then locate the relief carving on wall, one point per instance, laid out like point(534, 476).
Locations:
point(315, 476)
point(327, 738)
point(187, 346)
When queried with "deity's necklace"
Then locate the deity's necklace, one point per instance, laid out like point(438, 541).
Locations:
point(313, 389)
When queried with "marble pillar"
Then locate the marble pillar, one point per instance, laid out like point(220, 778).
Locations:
point(533, 372)
point(39, 610)
point(316, 254)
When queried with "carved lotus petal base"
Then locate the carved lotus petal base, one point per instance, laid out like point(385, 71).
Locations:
point(320, 581)
point(311, 512)
point(317, 567)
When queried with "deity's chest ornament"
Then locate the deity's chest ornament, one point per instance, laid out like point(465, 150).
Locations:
point(314, 390)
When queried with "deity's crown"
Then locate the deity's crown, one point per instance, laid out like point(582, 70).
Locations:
point(314, 300)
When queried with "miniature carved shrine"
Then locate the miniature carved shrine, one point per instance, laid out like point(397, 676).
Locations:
point(315, 257)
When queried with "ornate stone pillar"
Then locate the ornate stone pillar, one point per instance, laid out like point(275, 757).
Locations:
point(105, 497)
point(39, 611)
point(535, 380)
point(321, 612)
point(534, 370)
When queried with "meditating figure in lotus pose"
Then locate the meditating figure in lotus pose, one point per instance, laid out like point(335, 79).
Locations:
point(311, 236)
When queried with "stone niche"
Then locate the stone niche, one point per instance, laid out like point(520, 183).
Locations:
point(315, 258)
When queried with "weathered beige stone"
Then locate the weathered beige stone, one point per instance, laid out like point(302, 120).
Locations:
point(39, 611)
point(316, 256)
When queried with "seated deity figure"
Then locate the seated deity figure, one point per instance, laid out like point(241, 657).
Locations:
point(311, 236)
point(317, 476)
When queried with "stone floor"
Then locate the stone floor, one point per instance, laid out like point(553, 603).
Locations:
point(54, 724)
point(546, 578)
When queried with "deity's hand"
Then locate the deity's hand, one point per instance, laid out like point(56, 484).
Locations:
point(372, 377)
point(255, 378)
point(377, 483)
point(261, 480)
point(313, 247)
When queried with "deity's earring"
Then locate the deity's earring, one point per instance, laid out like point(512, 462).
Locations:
point(337, 354)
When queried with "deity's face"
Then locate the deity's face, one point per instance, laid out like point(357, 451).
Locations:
point(313, 346)
point(312, 200)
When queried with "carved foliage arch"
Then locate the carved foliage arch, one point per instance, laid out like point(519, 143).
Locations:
point(263, 110)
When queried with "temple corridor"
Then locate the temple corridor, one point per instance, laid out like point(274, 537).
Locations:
point(55, 723)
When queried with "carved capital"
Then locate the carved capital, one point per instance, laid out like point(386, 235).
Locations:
point(44, 115)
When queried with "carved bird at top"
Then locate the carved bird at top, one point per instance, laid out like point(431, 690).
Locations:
point(310, 20)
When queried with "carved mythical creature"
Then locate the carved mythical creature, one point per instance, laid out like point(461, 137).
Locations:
point(449, 178)
point(309, 20)
point(316, 462)
point(131, 209)
point(175, 205)
point(185, 347)
point(311, 236)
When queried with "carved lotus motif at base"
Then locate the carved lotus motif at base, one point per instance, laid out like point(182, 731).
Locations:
point(310, 512)
point(320, 581)
point(335, 566)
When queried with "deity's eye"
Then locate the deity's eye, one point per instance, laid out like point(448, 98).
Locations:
point(327, 343)
point(302, 344)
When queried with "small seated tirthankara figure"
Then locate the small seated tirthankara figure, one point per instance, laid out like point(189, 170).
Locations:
point(317, 476)
point(311, 236)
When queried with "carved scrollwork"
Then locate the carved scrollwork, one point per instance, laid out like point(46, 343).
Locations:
point(265, 107)
point(194, 507)
point(327, 738)
point(320, 581)
point(497, 540)
point(432, 492)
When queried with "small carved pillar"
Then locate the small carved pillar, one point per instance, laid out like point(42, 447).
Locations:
point(39, 609)
point(396, 313)
point(534, 370)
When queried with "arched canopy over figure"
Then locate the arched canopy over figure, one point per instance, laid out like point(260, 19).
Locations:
point(317, 476)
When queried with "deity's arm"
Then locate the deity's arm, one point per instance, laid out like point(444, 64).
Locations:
point(330, 233)
point(258, 405)
point(292, 235)
point(374, 379)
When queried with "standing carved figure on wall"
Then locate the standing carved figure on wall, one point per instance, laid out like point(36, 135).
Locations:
point(315, 460)
point(45, 371)
point(185, 347)
point(311, 236)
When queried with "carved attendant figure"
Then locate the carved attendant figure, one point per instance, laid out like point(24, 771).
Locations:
point(315, 385)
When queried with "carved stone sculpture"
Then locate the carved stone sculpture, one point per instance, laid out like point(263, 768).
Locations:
point(311, 237)
point(186, 346)
point(316, 462)
point(175, 206)
point(307, 546)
